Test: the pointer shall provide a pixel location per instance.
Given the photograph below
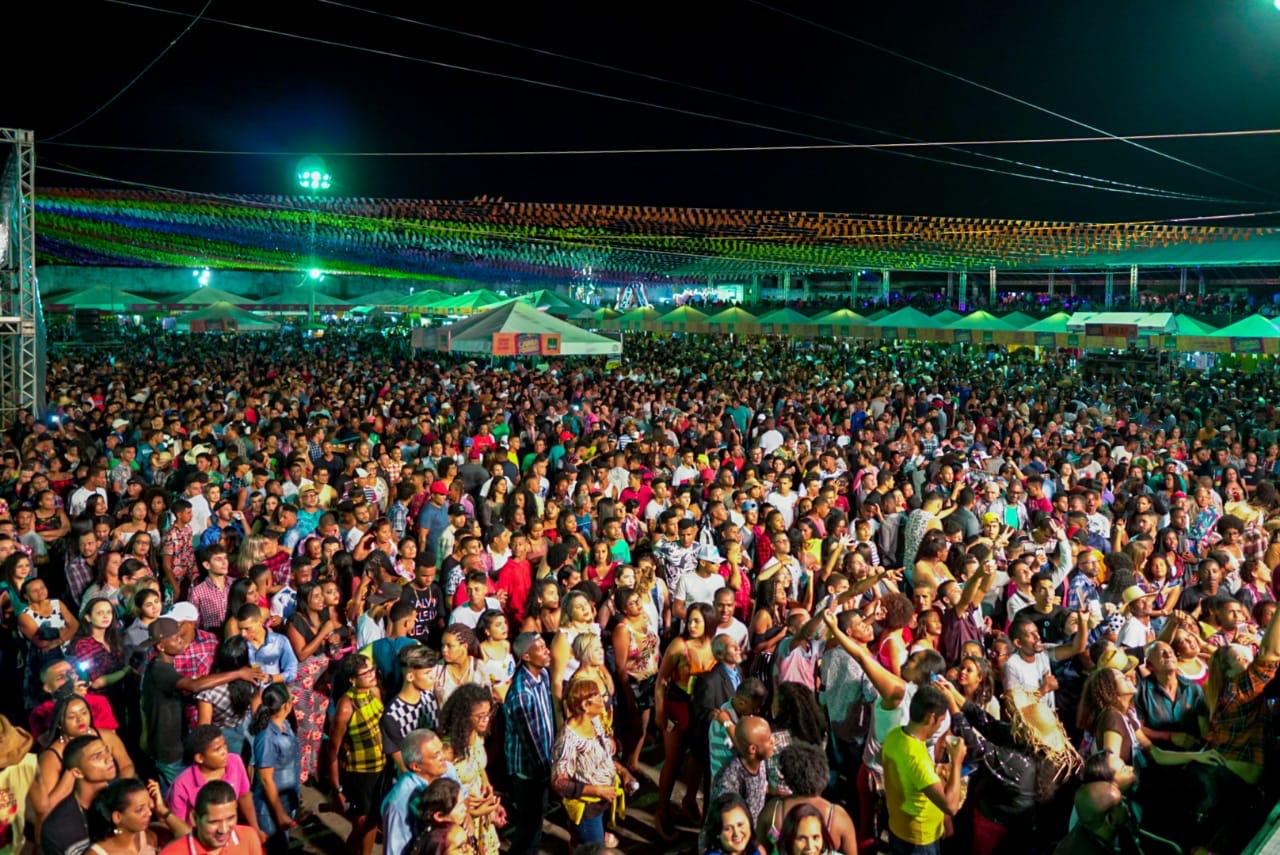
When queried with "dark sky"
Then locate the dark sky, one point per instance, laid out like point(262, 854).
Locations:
point(1132, 66)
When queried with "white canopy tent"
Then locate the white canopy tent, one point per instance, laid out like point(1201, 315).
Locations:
point(513, 329)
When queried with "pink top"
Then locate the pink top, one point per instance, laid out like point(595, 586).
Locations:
point(182, 797)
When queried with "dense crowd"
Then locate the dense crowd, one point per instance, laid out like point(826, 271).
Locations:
point(842, 597)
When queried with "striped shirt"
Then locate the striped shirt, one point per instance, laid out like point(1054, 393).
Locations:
point(531, 727)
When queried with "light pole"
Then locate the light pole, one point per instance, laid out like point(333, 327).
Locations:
point(314, 178)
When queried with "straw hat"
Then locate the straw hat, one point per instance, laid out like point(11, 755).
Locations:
point(14, 743)
point(1037, 726)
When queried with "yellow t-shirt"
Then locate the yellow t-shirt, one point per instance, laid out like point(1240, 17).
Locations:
point(908, 772)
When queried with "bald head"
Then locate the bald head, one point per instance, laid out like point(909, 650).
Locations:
point(753, 732)
point(1094, 802)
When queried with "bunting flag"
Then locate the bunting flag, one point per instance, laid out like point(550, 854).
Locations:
point(493, 240)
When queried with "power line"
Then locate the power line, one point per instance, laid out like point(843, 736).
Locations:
point(984, 87)
point(137, 76)
point(1137, 190)
point(740, 98)
point(1255, 132)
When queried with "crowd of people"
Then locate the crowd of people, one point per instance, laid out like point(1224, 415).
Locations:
point(844, 598)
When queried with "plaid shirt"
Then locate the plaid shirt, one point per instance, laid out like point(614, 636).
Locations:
point(79, 574)
point(196, 662)
point(178, 547)
point(93, 654)
point(1237, 728)
point(531, 728)
point(362, 748)
point(211, 601)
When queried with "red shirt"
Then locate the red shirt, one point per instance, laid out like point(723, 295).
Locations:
point(516, 578)
point(99, 710)
point(244, 841)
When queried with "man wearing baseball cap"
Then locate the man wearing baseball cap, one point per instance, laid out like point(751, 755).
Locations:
point(433, 519)
point(162, 697)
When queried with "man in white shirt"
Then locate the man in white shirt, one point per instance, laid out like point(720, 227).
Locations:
point(1136, 631)
point(784, 500)
point(201, 511)
point(726, 623)
point(95, 483)
point(701, 585)
point(687, 471)
point(477, 602)
point(1028, 668)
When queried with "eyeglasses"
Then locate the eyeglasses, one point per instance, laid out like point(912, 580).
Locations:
point(368, 672)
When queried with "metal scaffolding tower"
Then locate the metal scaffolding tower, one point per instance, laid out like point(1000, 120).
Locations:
point(22, 351)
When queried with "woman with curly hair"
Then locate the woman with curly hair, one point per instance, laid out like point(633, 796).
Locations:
point(891, 651)
point(977, 685)
point(798, 718)
point(804, 768)
point(464, 721)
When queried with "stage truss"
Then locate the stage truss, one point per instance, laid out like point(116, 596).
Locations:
point(21, 322)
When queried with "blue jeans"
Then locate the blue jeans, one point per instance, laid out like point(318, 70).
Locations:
point(898, 846)
point(591, 829)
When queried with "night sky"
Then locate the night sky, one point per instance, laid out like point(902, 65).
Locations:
point(1131, 66)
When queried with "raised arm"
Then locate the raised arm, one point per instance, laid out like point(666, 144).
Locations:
point(890, 686)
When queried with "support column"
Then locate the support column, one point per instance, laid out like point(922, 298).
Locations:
point(884, 286)
point(753, 290)
point(806, 288)
point(991, 288)
point(1200, 287)
point(1182, 282)
point(853, 291)
point(1051, 289)
point(951, 281)
point(1110, 288)
point(786, 287)
point(1073, 287)
point(1133, 287)
point(964, 290)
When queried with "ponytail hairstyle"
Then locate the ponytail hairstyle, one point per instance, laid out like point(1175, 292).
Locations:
point(274, 698)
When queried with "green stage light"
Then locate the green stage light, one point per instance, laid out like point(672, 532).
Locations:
point(313, 175)
point(315, 273)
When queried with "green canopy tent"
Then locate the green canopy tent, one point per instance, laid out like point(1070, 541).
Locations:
point(601, 318)
point(877, 314)
point(102, 298)
point(1055, 323)
point(468, 303)
point(381, 299)
point(838, 323)
point(685, 319)
point(1254, 326)
point(208, 296)
point(906, 317)
point(735, 320)
point(980, 321)
point(1018, 320)
point(1187, 325)
point(945, 318)
point(224, 317)
point(299, 298)
point(785, 322)
point(550, 301)
point(422, 301)
point(642, 317)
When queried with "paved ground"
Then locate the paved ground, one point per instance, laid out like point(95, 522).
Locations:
point(325, 833)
